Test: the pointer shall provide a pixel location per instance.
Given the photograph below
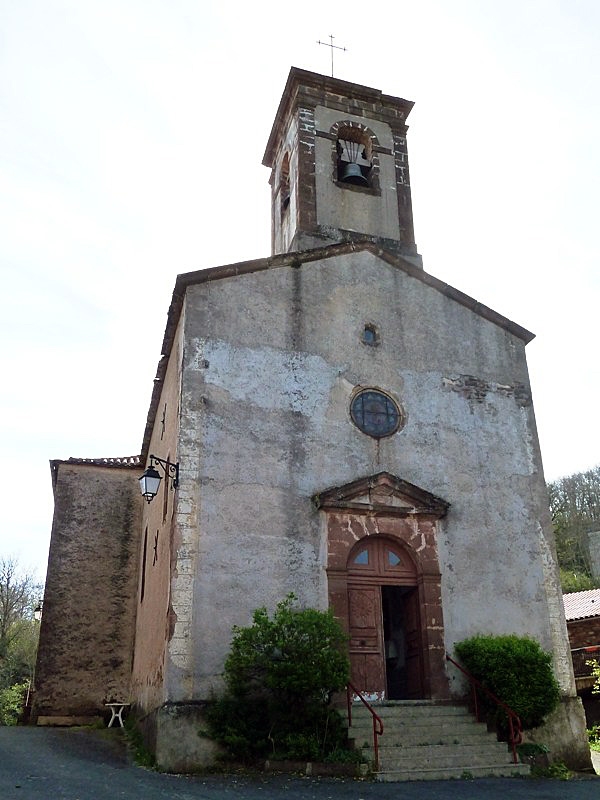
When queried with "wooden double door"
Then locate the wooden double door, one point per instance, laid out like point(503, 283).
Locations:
point(383, 613)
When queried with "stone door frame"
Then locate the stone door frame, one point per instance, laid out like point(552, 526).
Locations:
point(384, 505)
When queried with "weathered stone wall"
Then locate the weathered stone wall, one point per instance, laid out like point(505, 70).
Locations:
point(157, 619)
point(564, 732)
point(88, 620)
point(284, 219)
point(180, 744)
point(272, 359)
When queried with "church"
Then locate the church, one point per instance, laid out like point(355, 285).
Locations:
point(330, 420)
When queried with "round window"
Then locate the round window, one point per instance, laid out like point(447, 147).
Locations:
point(375, 413)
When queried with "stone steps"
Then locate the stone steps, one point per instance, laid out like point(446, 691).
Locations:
point(421, 735)
point(427, 741)
point(458, 773)
point(443, 755)
point(413, 729)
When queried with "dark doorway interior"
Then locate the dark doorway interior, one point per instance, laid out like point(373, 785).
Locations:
point(396, 604)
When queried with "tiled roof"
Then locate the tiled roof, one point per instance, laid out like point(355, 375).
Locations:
point(579, 605)
point(124, 461)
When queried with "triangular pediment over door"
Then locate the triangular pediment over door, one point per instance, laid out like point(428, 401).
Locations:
point(385, 584)
point(383, 492)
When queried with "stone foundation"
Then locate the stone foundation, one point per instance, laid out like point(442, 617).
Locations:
point(172, 734)
point(564, 732)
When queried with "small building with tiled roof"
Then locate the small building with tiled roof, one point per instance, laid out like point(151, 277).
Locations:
point(582, 605)
point(582, 612)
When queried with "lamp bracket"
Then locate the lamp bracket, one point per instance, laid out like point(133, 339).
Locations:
point(171, 470)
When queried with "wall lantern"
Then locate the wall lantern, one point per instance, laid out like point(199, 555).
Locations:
point(150, 480)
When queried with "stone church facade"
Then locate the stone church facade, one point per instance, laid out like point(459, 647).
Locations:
point(346, 426)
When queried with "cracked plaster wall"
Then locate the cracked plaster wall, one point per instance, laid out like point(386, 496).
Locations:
point(271, 360)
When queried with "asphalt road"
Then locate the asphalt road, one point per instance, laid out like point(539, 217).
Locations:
point(79, 764)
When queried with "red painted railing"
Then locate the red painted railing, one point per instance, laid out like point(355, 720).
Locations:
point(377, 721)
point(515, 729)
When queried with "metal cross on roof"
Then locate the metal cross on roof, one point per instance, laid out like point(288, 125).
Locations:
point(333, 47)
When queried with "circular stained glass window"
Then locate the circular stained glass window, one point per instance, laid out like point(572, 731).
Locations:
point(375, 413)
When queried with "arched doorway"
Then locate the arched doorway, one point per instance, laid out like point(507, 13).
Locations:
point(384, 620)
point(383, 573)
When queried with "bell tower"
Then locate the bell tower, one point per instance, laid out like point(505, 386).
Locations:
point(339, 167)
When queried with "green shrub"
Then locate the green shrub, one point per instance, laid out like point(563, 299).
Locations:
point(12, 701)
point(594, 737)
point(575, 581)
point(279, 676)
point(532, 749)
point(342, 755)
point(137, 747)
point(240, 725)
point(595, 671)
point(557, 770)
point(298, 655)
point(517, 671)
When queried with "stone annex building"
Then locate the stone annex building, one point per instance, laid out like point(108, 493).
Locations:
point(345, 426)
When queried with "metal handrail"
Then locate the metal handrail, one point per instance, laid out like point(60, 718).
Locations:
point(514, 722)
point(377, 721)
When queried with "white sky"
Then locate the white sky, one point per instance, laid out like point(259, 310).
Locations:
point(131, 139)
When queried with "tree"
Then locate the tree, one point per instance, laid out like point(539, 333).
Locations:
point(19, 595)
point(575, 509)
point(571, 581)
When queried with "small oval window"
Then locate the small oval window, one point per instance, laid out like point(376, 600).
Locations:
point(370, 336)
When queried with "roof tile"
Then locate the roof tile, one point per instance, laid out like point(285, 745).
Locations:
point(579, 605)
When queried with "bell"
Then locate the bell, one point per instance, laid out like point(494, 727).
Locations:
point(352, 173)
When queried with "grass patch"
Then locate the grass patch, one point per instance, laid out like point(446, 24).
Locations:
point(142, 757)
point(558, 770)
point(594, 738)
